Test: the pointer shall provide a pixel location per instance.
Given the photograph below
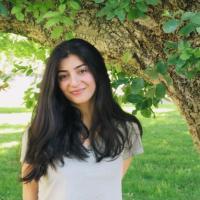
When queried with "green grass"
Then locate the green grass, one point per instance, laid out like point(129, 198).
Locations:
point(169, 169)
point(10, 189)
point(14, 110)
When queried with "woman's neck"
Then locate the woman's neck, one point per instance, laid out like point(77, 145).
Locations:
point(86, 111)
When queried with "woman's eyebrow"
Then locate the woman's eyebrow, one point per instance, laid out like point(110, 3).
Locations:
point(76, 67)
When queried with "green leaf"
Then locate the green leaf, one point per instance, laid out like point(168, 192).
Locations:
point(179, 64)
point(118, 67)
point(187, 29)
point(51, 22)
point(190, 74)
point(134, 112)
point(150, 92)
point(134, 98)
point(198, 30)
point(69, 35)
point(197, 53)
point(39, 19)
point(185, 55)
point(57, 32)
point(20, 16)
point(160, 90)
point(183, 45)
point(146, 113)
point(74, 5)
point(36, 13)
point(110, 15)
point(16, 10)
point(172, 59)
point(155, 102)
point(187, 15)
point(99, 1)
point(196, 19)
point(166, 13)
point(102, 12)
point(171, 25)
point(120, 14)
point(141, 6)
point(125, 4)
point(152, 2)
point(62, 8)
point(161, 67)
point(3, 10)
point(146, 103)
point(67, 21)
point(29, 72)
point(134, 14)
point(169, 45)
point(137, 85)
point(51, 14)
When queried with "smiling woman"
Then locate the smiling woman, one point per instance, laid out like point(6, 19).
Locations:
point(80, 142)
point(76, 81)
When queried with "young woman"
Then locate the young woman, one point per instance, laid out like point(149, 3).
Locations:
point(80, 143)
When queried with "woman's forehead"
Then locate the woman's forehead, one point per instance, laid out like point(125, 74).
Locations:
point(70, 63)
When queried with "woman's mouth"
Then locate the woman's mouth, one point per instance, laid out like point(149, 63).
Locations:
point(77, 92)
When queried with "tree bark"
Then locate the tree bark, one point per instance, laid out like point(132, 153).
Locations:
point(144, 38)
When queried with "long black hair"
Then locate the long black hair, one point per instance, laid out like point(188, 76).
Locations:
point(56, 124)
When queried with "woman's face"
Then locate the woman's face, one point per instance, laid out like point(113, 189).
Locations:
point(76, 81)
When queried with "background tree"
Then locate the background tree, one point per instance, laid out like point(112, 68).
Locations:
point(150, 46)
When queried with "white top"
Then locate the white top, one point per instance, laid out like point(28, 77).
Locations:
point(86, 180)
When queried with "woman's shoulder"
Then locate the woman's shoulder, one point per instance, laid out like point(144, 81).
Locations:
point(129, 124)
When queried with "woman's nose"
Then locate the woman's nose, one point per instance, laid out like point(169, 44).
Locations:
point(74, 80)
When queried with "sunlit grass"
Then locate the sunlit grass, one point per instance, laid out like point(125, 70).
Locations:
point(14, 110)
point(169, 169)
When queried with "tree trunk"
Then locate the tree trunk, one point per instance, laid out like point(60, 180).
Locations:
point(144, 38)
point(188, 100)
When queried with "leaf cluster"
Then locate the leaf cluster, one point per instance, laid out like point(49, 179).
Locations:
point(55, 17)
point(124, 9)
point(137, 91)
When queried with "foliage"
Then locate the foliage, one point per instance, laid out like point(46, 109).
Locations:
point(135, 90)
point(31, 95)
point(58, 20)
point(29, 56)
point(182, 54)
point(4, 78)
point(124, 9)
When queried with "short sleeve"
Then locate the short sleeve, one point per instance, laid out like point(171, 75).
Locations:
point(137, 147)
point(24, 145)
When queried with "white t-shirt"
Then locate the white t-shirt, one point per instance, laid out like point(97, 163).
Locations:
point(81, 180)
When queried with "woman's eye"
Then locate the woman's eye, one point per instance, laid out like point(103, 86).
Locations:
point(62, 77)
point(82, 71)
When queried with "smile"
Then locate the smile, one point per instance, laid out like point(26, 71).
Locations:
point(77, 92)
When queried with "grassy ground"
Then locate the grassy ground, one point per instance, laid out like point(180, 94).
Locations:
point(170, 167)
point(168, 170)
point(13, 110)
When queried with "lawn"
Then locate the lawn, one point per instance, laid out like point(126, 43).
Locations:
point(168, 170)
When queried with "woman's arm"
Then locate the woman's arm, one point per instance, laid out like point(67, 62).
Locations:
point(126, 164)
point(29, 190)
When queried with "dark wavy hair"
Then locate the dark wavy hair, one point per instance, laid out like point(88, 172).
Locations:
point(56, 125)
